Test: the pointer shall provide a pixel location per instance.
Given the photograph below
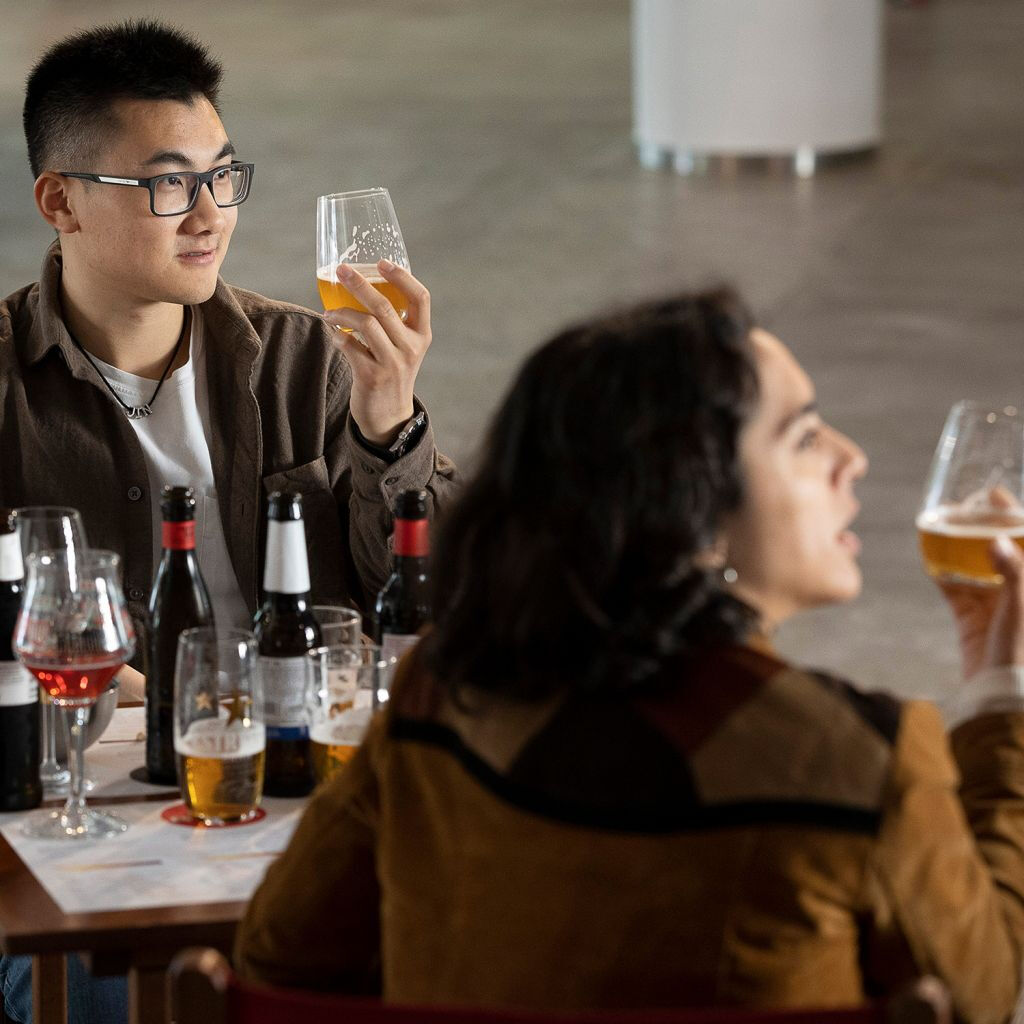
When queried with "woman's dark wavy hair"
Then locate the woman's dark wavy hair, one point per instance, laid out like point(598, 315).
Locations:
point(570, 561)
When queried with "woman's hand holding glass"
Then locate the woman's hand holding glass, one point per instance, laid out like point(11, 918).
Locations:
point(971, 531)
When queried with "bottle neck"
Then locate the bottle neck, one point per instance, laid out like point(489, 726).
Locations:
point(292, 604)
point(412, 539)
point(179, 536)
point(409, 565)
point(12, 568)
point(286, 572)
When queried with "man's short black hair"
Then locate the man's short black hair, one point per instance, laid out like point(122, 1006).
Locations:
point(71, 91)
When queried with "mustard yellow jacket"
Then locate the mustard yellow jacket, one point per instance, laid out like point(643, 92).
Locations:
point(748, 834)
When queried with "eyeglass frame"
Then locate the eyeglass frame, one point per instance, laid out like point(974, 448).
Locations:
point(205, 178)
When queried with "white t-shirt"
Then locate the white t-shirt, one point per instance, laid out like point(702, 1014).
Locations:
point(175, 442)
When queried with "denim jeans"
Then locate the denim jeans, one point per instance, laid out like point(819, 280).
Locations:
point(90, 1000)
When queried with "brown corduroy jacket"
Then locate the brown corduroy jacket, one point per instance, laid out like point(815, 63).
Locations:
point(751, 834)
point(279, 392)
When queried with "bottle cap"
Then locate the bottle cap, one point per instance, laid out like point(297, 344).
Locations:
point(284, 506)
point(411, 505)
point(7, 521)
point(178, 504)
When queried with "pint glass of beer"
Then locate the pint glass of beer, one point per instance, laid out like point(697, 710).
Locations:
point(219, 734)
point(352, 683)
point(974, 493)
point(358, 228)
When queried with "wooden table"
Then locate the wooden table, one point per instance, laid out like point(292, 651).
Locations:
point(139, 943)
point(136, 942)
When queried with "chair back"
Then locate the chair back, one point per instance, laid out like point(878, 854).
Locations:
point(204, 990)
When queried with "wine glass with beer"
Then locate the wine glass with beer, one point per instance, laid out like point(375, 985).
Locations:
point(974, 493)
point(358, 228)
point(74, 634)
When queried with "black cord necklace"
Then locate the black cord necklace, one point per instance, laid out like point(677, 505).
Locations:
point(140, 412)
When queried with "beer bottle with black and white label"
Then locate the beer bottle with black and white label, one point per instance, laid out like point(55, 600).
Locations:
point(286, 630)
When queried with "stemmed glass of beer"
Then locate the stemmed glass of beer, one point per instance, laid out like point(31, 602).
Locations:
point(358, 228)
point(220, 736)
point(974, 493)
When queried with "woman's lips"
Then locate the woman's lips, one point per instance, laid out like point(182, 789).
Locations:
point(849, 540)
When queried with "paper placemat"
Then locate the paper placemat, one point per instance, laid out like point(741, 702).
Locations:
point(155, 864)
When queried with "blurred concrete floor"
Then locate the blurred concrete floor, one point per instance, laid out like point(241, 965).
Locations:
point(503, 132)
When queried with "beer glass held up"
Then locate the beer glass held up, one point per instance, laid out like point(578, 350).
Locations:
point(358, 228)
point(974, 493)
point(219, 734)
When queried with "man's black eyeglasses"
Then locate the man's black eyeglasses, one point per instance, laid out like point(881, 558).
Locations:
point(173, 194)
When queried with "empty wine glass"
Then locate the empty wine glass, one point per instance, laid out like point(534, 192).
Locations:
point(74, 634)
point(50, 528)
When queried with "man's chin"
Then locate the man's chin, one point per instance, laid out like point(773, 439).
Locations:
point(193, 293)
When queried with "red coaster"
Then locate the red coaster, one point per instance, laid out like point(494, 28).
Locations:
point(179, 814)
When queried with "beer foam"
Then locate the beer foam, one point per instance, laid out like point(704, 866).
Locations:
point(368, 270)
point(937, 521)
point(213, 738)
point(345, 730)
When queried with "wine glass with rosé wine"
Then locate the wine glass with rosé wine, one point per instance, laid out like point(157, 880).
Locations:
point(51, 528)
point(74, 634)
point(358, 229)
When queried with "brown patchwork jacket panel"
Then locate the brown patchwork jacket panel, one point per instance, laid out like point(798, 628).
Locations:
point(749, 834)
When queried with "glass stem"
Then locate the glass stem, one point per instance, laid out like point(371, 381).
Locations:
point(76, 800)
point(49, 736)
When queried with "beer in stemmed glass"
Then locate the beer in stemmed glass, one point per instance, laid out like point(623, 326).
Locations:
point(974, 493)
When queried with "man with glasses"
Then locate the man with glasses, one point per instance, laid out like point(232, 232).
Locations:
point(130, 364)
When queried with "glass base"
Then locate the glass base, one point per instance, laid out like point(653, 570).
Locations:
point(63, 786)
point(87, 824)
point(54, 779)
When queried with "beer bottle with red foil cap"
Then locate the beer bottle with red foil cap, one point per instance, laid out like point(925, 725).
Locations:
point(20, 787)
point(179, 601)
point(403, 605)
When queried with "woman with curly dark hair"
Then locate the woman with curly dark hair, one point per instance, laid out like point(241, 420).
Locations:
point(596, 784)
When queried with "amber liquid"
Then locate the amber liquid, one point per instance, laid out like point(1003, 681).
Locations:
point(218, 789)
point(330, 758)
point(334, 295)
point(955, 547)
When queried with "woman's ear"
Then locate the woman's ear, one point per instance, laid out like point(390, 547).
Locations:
point(714, 557)
point(54, 203)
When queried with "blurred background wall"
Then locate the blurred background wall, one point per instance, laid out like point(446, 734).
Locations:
point(503, 131)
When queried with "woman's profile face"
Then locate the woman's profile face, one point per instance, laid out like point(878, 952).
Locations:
point(790, 541)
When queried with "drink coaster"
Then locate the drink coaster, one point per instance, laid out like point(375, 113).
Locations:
point(179, 814)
